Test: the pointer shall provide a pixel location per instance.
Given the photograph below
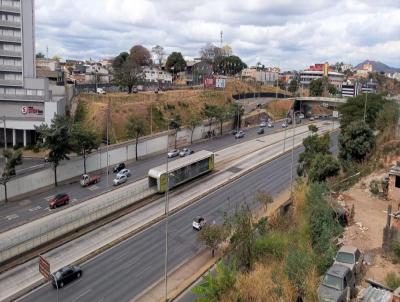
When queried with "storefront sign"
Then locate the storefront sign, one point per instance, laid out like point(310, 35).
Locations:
point(31, 110)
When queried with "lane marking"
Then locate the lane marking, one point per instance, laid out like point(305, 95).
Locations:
point(93, 187)
point(74, 200)
point(11, 217)
point(48, 198)
point(82, 294)
point(35, 209)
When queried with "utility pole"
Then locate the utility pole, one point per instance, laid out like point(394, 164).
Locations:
point(291, 167)
point(108, 142)
point(365, 105)
point(166, 224)
point(5, 132)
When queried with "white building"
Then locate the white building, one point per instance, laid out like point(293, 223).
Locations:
point(153, 74)
point(25, 101)
point(335, 78)
point(268, 76)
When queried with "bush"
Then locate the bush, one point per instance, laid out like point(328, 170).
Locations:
point(298, 264)
point(396, 251)
point(272, 245)
point(374, 187)
point(392, 280)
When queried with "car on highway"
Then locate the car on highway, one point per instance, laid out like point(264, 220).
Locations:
point(87, 180)
point(284, 125)
point(260, 131)
point(270, 125)
point(263, 124)
point(125, 172)
point(120, 179)
point(173, 153)
point(185, 151)
point(198, 223)
point(338, 284)
point(59, 200)
point(351, 257)
point(66, 275)
point(239, 134)
point(119, 167)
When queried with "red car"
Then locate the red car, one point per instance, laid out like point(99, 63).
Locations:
point(59, 200)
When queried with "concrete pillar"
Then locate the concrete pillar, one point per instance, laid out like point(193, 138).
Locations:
point(14, 136)
point(24, 138)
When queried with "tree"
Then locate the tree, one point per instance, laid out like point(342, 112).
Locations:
point(313, 128)
point(140, 56)
point(353, 109)
point(136, 127)
point(128, 75)
point(159, 53)
point(316, 88)
point(194, 120)
point(229, 65)
point(214, 287)
point(56, 58)
point(119, 60)
point(222, 114)
point(322, 167)
point(40, 55)
point(356, 142)
point(313, 145)
point(57, 139)
point(13, 158)
point(209, 111)
point(210, 53)
point(175, 123)
point(281, 84)
point(175, 62)
point(226, 50)
point(293, 86)
point(83, 141)
point(212, 235)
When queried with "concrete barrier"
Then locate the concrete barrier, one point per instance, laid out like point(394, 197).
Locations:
point(33, 234)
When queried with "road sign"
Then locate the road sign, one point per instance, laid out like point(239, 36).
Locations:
point(44, 267)
point(335, 114)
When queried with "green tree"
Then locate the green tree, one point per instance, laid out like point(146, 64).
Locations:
point(353, 109)
point(57, 139)
point(313, 128)
point(175, 62)
point(13, 159)
point(322, 167)
point(135, 128)
point(120, 59)
point(40, 55)
point(213, 288)
point(128, 74)
point(212, 235)
point(281, 84)
point(387, 119)
point(297, 266)
point(293, 86)
point(313, 145)
point(229, 65)
point(140, 55)
point(222, 114)
point(83, 141)
point(175, 123)
point(356, 142)
point(80, 113)
point(194, 120)
point(316, 88)
point(210, 112)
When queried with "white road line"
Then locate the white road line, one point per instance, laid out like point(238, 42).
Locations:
point(81, 295)
point(74, 200)
point(47, 209)
point(48, 198)
point(92, 188)
point(11, 217)
point(35, 209)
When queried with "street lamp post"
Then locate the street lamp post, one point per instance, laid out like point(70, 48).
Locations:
point(166, 223)
point(291, 166)
point(365, 105)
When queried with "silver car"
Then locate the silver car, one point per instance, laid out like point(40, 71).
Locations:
point(338, 284)
point(351, 257)
point(120, 179)
point(173, 153)
point(125, 172)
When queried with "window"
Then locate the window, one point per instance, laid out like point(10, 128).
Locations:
point(397, 183)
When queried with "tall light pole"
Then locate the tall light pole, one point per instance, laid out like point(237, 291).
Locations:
point(291, 166)
point(5, 132)
point(365, 105)
point(166, 224)
point(108, 143)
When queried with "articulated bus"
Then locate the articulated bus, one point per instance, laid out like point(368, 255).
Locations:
point(181, 170)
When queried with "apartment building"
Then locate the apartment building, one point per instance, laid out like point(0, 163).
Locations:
point(25, 101)
point(318, 71)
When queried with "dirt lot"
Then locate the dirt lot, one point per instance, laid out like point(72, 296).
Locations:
point(367, 230)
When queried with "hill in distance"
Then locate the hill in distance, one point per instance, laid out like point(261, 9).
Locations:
point(378, 66)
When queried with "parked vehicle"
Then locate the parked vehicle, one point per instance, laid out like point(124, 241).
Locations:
point(100, 91)
point(119, 167)
point(270, 125)
point(59, 200)
point(135, 90)
point(301, 116)
point(198, 223)
point(312, 118)
point(125, 172)
point(87, 180)
point(185, 151)
point(66, 275)
point(173, 153)
point(284, 125)
point(351, 257)
point(240, 134)
point(338, 284)
point(263, 124)
point(120, 179)
point(260, 131)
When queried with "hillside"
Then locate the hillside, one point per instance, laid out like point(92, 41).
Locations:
point(164, 105)
point(378, 66)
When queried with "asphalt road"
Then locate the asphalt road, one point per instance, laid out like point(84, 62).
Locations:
point(35, 206)
point(124, 271)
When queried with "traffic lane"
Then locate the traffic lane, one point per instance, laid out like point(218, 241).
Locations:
point(36, 206)
point(126, 270)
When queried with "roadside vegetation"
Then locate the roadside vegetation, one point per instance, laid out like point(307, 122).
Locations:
point(281, 258)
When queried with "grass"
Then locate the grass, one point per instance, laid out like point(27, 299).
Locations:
point(392, 280)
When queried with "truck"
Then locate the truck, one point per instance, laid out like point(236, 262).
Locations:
point(87, 180)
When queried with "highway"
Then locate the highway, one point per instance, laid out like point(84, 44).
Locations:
point(124, 271)
point(35, 206)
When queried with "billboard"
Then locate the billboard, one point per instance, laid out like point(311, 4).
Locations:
point(214, 82)
point(220, 83)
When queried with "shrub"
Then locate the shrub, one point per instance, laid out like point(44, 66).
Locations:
point(392, 280)
point(374, 186)
point(396, 251)
point(272, 245)
point(297, 265)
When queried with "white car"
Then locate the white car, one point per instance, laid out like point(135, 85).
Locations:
point(119, 179)
point(198, 223)
point(185, 151)
point(270, 125)
point(125, 172)
point(263, 124)
point(284, 125)
point(173, 153)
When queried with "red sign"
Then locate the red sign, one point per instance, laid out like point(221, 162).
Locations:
point(209, 82)
point(44, 267)
point(31, 110)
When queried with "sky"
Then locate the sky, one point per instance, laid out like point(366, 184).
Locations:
point(292, 34)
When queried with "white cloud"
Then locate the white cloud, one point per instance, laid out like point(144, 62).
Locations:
point(290, 33)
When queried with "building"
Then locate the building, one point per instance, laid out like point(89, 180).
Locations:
point(394, 182)
point(268, 75)
point(197, 70)
point(154, 74)
point(321, 70)
point(47, 64)
point(93, 73)
point(25, 100)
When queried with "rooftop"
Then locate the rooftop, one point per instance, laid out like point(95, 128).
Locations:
point(338, 270)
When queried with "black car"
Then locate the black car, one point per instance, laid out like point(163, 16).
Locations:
point(119, 167)
point(66, 275)
point(260, 131)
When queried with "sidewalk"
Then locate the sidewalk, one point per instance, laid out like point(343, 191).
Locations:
point(249, 156)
